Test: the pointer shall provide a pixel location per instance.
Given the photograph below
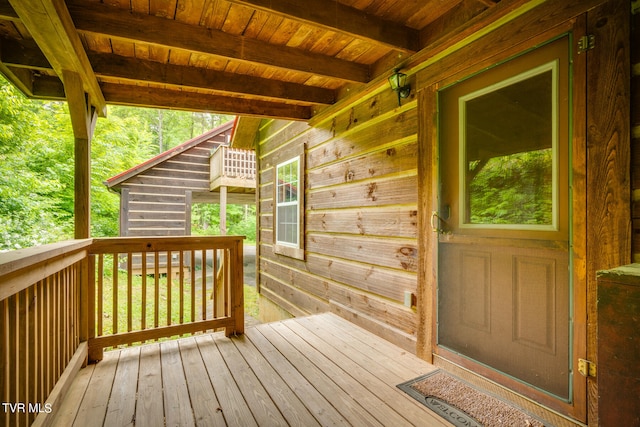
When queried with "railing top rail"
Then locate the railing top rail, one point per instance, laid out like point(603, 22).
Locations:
point(22, 268)
point(13, 261)
point(172, 243)
point(226, 149)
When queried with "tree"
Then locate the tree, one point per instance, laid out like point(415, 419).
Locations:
point(37, 169)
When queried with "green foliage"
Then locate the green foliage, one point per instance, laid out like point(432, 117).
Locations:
point(241, 220)
point(513, 189)
point(37, 163)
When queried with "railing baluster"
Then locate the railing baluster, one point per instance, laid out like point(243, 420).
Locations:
point(214, 290)
point(204, 284)
point(193, 285)
point(129, 292)
point(143, 285)
point(114, 311)
point(169, 282)
point(156, 289)
point(181, 279)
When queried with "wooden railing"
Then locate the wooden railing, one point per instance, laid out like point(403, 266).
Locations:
point(159, 287)
point(62, 304)
point(43, 327)
point(233, 167)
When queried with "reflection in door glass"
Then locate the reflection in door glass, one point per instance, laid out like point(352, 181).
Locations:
point(508, 136)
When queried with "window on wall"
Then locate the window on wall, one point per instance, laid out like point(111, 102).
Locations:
point(289, 207)
point(287, 203)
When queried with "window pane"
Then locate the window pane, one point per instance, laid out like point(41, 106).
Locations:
point(508, 136)
point(287, 182)
point(288, 224)
point(287, 206)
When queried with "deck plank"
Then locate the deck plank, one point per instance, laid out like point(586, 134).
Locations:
point(407, 365)
point(150, 405)
point(203, 399)
point(93, 408)
point(318, 370)
point(289, 404)
point(177, 406)
point(121, 410)
point(341, 400)
point(229, 403)
point(317, 404)
point(367, 374)
point(69, 408)
point(367, 399)
point(262, 406)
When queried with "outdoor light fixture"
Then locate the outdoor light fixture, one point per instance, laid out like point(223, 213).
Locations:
point(398, 82)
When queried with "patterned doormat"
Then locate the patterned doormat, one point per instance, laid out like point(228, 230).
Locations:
point(463, 405)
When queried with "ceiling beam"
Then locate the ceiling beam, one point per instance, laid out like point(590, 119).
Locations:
point(52, 28)
point(23, 54)
point(119, 23)
point(7, 13)
point(336, 16)
point(145, 96)
point(120, 67)
point(26, 54)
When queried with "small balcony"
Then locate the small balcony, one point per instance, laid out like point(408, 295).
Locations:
point(234, 169)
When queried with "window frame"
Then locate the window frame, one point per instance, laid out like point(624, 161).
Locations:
point(293, 250)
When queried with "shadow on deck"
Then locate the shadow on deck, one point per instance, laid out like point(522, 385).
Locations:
point(317, 370)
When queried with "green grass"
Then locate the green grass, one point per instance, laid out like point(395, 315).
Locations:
point(167, 305)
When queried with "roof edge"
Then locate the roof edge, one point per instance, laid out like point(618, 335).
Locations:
point(178, 149)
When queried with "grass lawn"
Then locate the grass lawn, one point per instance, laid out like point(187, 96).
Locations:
point(159, 302)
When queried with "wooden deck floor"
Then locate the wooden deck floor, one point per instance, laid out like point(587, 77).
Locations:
point(318, 370)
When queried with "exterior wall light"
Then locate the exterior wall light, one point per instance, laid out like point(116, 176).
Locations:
point(398, 83)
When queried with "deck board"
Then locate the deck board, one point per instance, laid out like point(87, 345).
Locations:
point(121, 409)
point(149, 407)
point(317, 370)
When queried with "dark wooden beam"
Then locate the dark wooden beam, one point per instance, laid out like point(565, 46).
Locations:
point(26, 54)
point(120, 67)
point(144, 96)
point(20, 77)
point(7, 13)
point(52, 28)
point(23, 54)
point(48, 87)
point(336, 16)
point(114, 22)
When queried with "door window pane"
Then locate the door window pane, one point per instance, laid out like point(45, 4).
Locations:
point(508, 138)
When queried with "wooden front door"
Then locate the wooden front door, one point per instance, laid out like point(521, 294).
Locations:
point(504, 267)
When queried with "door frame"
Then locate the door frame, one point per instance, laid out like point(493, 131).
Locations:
point(428, 172)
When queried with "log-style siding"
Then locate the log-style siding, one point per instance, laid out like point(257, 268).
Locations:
point(156, 196)
point(371, 183)
point(360, 216)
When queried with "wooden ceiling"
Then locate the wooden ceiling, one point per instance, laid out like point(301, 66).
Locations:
point(268, 58)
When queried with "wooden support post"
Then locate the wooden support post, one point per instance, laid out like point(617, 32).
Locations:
point(83, 121)
point(223, 210)
point(188, 205)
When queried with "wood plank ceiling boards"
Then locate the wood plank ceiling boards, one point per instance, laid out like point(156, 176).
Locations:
point(276, 58)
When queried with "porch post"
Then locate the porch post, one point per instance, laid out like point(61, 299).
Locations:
point(223, 210)
point(83, 120)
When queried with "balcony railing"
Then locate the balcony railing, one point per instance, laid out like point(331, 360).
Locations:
point(62, 304)
point(233, 167)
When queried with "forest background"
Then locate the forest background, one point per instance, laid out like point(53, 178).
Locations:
point(37, 166)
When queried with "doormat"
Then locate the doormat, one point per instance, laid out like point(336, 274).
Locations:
point(464, 405)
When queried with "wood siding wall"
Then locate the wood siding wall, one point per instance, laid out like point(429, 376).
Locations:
point(361, 216)
point(157, 202)
point(635, 129)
